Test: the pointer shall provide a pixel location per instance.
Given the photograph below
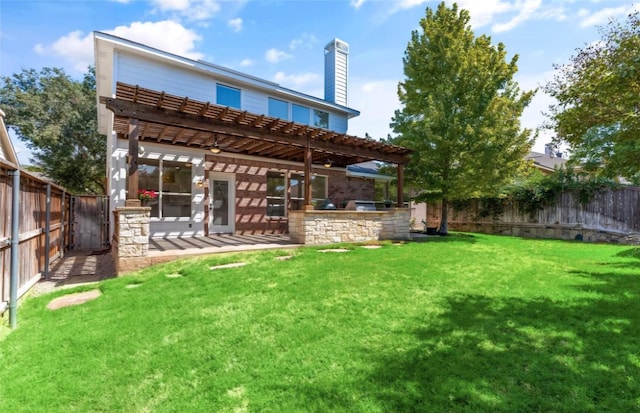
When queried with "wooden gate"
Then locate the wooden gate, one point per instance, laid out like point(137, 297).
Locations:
point(89, 222)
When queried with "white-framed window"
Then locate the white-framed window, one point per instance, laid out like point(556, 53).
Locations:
point(320, 119)
point(300, 114)
point(227, 96)
point(170, 182)
point(276, 194)
point(296, 189)
point(278, 108)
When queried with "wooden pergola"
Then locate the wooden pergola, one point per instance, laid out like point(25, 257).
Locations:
point(154, 116)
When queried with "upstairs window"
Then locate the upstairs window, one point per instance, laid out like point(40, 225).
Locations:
point(228, 96)
point(320, 119)
point(300, 114)
point(278, 108)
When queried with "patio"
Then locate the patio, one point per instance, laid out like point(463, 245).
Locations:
point(215, 244)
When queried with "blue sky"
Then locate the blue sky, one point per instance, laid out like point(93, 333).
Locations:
point(283, 40)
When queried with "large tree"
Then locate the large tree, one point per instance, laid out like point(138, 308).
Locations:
point(460, 111)
point(56, 117)
point(598, 93)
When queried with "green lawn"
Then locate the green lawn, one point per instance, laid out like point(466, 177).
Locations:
point(460, 323)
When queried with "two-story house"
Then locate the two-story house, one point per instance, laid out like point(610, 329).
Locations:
point(219, 151)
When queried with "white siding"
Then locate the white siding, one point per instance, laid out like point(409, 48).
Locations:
point(338, 123)
point(163, 77)
point(254, 101)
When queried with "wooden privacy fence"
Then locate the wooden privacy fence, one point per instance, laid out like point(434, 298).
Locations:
point(610, 215)
point(46, 229)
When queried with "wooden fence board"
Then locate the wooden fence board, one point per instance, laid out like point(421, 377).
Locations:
point(33, 227)
point(609, 210)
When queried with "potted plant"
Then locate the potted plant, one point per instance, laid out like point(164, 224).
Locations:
point(146, 195)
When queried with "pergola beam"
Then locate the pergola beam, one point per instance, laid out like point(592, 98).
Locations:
point(132, 194)
point(162, 116)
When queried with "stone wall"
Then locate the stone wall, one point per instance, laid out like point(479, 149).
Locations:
point(130, 246)
point(565, 232)
point(327, 227)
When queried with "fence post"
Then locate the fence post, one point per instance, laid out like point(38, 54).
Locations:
point(15, 244)
point(63, 237)
point(47, 234)
point(72, 226)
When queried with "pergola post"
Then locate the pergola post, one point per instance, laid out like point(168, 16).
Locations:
point(400, 185)
point(132, 177)
point(308, 158)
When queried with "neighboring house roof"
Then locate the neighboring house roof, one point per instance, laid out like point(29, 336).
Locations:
point(546, 162)
point(369, 169)
point(7, 153)
point(106, 44)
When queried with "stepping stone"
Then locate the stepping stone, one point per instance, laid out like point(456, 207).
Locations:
point(372, 247)
point(335, 250)
point(174, 275)
point(73, 299)
point(284, 258)
point(133, 285)
point(232, 265)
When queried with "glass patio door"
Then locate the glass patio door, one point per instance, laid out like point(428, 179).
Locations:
point(221, 203)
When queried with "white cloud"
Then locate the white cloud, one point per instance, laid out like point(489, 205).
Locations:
point(408, 4)
point(552, 13)
point(526, 12)
point(247, 62)
point(484, 12)
point(77, 47)
point(235, 24)
point(297, 82)
point(603, 16)
point(191, 9)
point(377, 101)
point(171, 5)
point(275, 55)
point(501, 15)
point(165, 35)
point(357, 3)
point(305, 39)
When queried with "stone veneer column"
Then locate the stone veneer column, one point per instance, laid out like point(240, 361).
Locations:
point(131, 238)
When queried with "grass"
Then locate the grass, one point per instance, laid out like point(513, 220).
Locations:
point(462, 323)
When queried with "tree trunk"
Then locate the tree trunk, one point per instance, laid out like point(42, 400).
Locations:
point(444, 217)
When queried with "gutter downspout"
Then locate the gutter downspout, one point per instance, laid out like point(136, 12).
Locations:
point(15, 243)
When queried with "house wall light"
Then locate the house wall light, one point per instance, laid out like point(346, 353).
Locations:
point(215, 148)
point(200, 183)
point(328, 163)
